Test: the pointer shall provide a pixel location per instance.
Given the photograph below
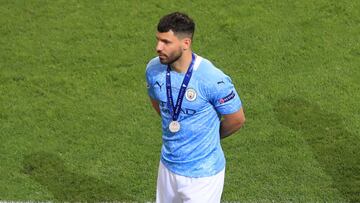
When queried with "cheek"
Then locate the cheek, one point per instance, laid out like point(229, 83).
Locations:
point(171, 48)
point(176, 51)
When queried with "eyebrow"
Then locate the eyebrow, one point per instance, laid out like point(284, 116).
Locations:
point(163, 40)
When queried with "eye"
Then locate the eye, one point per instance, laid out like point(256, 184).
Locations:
point(166, 41)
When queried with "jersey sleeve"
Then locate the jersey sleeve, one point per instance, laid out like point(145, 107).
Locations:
point(223, 95)
point(149, 83)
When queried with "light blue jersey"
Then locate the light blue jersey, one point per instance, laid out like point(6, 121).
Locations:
point(195, 150)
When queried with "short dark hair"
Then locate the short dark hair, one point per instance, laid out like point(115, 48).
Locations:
point(179, 23)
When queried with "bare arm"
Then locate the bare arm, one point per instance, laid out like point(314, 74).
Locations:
point(231, 123)
point(155, 105)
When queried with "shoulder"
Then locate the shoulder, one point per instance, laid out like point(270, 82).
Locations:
point(154, 67)
point(209, 72)
point(152, 64)
point(213, 80)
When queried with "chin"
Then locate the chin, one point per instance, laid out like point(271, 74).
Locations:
point(163, 61)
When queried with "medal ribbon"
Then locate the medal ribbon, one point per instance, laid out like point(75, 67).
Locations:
point(175, 110)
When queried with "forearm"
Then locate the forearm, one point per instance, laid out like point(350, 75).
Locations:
point(228, 128)
point(158, 111)
point(155, 105)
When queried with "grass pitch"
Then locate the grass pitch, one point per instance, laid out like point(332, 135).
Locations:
point(76, 123)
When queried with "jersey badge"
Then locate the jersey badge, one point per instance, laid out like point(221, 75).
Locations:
point(190, 94)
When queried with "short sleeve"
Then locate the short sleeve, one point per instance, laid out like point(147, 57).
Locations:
point(149, 84)
point(223, 95)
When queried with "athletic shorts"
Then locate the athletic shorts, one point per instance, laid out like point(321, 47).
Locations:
point(173, 188)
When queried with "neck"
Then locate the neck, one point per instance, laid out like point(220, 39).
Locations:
point(183, 63)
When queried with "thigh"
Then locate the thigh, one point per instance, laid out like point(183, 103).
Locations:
point(207, 190)
point(166, 186)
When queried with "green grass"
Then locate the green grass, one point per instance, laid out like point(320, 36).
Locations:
point(76, 123)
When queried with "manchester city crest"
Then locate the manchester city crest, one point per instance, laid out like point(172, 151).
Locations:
point(190, 94)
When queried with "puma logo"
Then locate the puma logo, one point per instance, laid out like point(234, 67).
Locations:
point(158, 84)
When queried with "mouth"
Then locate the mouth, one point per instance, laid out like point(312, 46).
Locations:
point(162, 56)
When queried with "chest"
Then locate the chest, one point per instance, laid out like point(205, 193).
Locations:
point(194, 99)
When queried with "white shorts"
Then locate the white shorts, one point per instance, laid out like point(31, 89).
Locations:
point(173, 188)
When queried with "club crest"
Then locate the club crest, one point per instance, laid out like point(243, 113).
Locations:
point(190, 94)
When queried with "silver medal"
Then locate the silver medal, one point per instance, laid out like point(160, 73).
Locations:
point(174, 126)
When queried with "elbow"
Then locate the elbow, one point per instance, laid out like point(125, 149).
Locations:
point(240, 122)
point(240, 118)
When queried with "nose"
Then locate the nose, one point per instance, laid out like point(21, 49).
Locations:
point(159, 47)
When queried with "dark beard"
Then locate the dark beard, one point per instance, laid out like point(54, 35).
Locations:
point(172, 61)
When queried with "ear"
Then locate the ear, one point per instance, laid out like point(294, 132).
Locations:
point(186, 42)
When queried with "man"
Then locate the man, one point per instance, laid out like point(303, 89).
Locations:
point(199, 106)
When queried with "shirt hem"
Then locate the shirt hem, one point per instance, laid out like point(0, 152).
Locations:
point(190, 176)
